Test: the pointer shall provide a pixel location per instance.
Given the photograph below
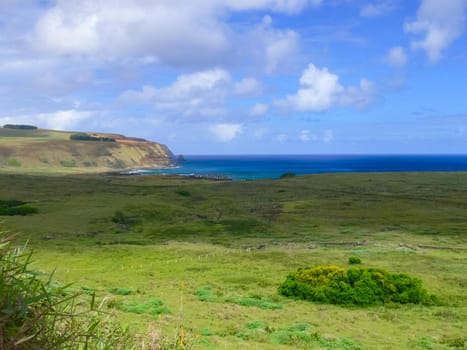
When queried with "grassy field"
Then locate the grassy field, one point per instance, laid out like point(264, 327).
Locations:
point(167, 252)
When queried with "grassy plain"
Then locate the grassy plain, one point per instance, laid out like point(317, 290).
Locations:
point(209, 256)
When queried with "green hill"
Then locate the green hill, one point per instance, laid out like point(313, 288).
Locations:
point(25, 149)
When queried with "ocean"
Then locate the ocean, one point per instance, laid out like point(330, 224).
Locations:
point(273, 166)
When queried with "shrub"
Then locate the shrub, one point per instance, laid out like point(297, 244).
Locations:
point(68, 163)
point(120, 218)
point(20, 127)
point(288, 175)
point(184, 193)
point(86, 137)
point(13, 162)
point(354, 260)
point(331, 284)
point(15, 207)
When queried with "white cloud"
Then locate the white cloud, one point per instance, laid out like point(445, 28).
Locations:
point(360, 96)
point(282, 138)
point(328, 136)
point(307, 136)
point(281, 46)
point(226, 132)
point(377, 8)
point(259, 109)
point(440, 22)
point(396, 57)
point(320, 90)
point(205, 93)
point(134, 27)
point(259, 133)
point(191, 33)
point(286, 6)
point(64, 120)
point(58, 120)
point(248, 87)
point(201, 93)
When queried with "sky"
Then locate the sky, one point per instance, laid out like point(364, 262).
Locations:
point(242, 76)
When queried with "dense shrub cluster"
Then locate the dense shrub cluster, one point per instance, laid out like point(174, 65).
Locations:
point(20, 127)
point(360, 286)
point(288, 175)
point(87, 137)
point(15, 207)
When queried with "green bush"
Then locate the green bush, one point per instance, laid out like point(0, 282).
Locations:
point(119, 217)
point(20, 127)
point(331, 284)
point(288, 175)
point(184, 193)
point(68, 163)
point(354, 260)
point(86, 137)
point(15, 207)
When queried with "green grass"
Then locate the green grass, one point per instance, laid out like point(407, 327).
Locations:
point(215, 253)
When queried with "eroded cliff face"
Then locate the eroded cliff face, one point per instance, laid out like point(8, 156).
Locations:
point(55, 151)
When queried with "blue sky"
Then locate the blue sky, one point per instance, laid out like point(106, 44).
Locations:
point(242, 76)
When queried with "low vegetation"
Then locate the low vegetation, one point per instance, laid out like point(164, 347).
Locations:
point(86, 137)
point(35, 313)
point(355, 286)
point(355, 260)
point(15, 207)
point(214, 253)
point(20, 127)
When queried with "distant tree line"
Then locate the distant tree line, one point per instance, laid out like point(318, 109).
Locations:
point(20, 127)
point(87, 137)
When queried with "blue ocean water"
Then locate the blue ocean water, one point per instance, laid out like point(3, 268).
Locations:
point(273, 166)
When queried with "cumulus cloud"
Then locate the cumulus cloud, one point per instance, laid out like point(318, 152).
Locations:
point(58, 120)
point(194, 34)
point(377, 8)
point(440, 23)
point(141, 28)
point(286, 6)
point(226, 132)
point(320, 90)
point(396, 57)
point(206, 93)
point(280, 46)
point(248, 87)
point(268, 48)
point(201, 93)
point(259, 109)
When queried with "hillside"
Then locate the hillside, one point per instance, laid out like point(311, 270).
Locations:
point(41, 150)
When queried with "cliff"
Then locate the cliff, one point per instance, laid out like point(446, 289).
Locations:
point(25, 149)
